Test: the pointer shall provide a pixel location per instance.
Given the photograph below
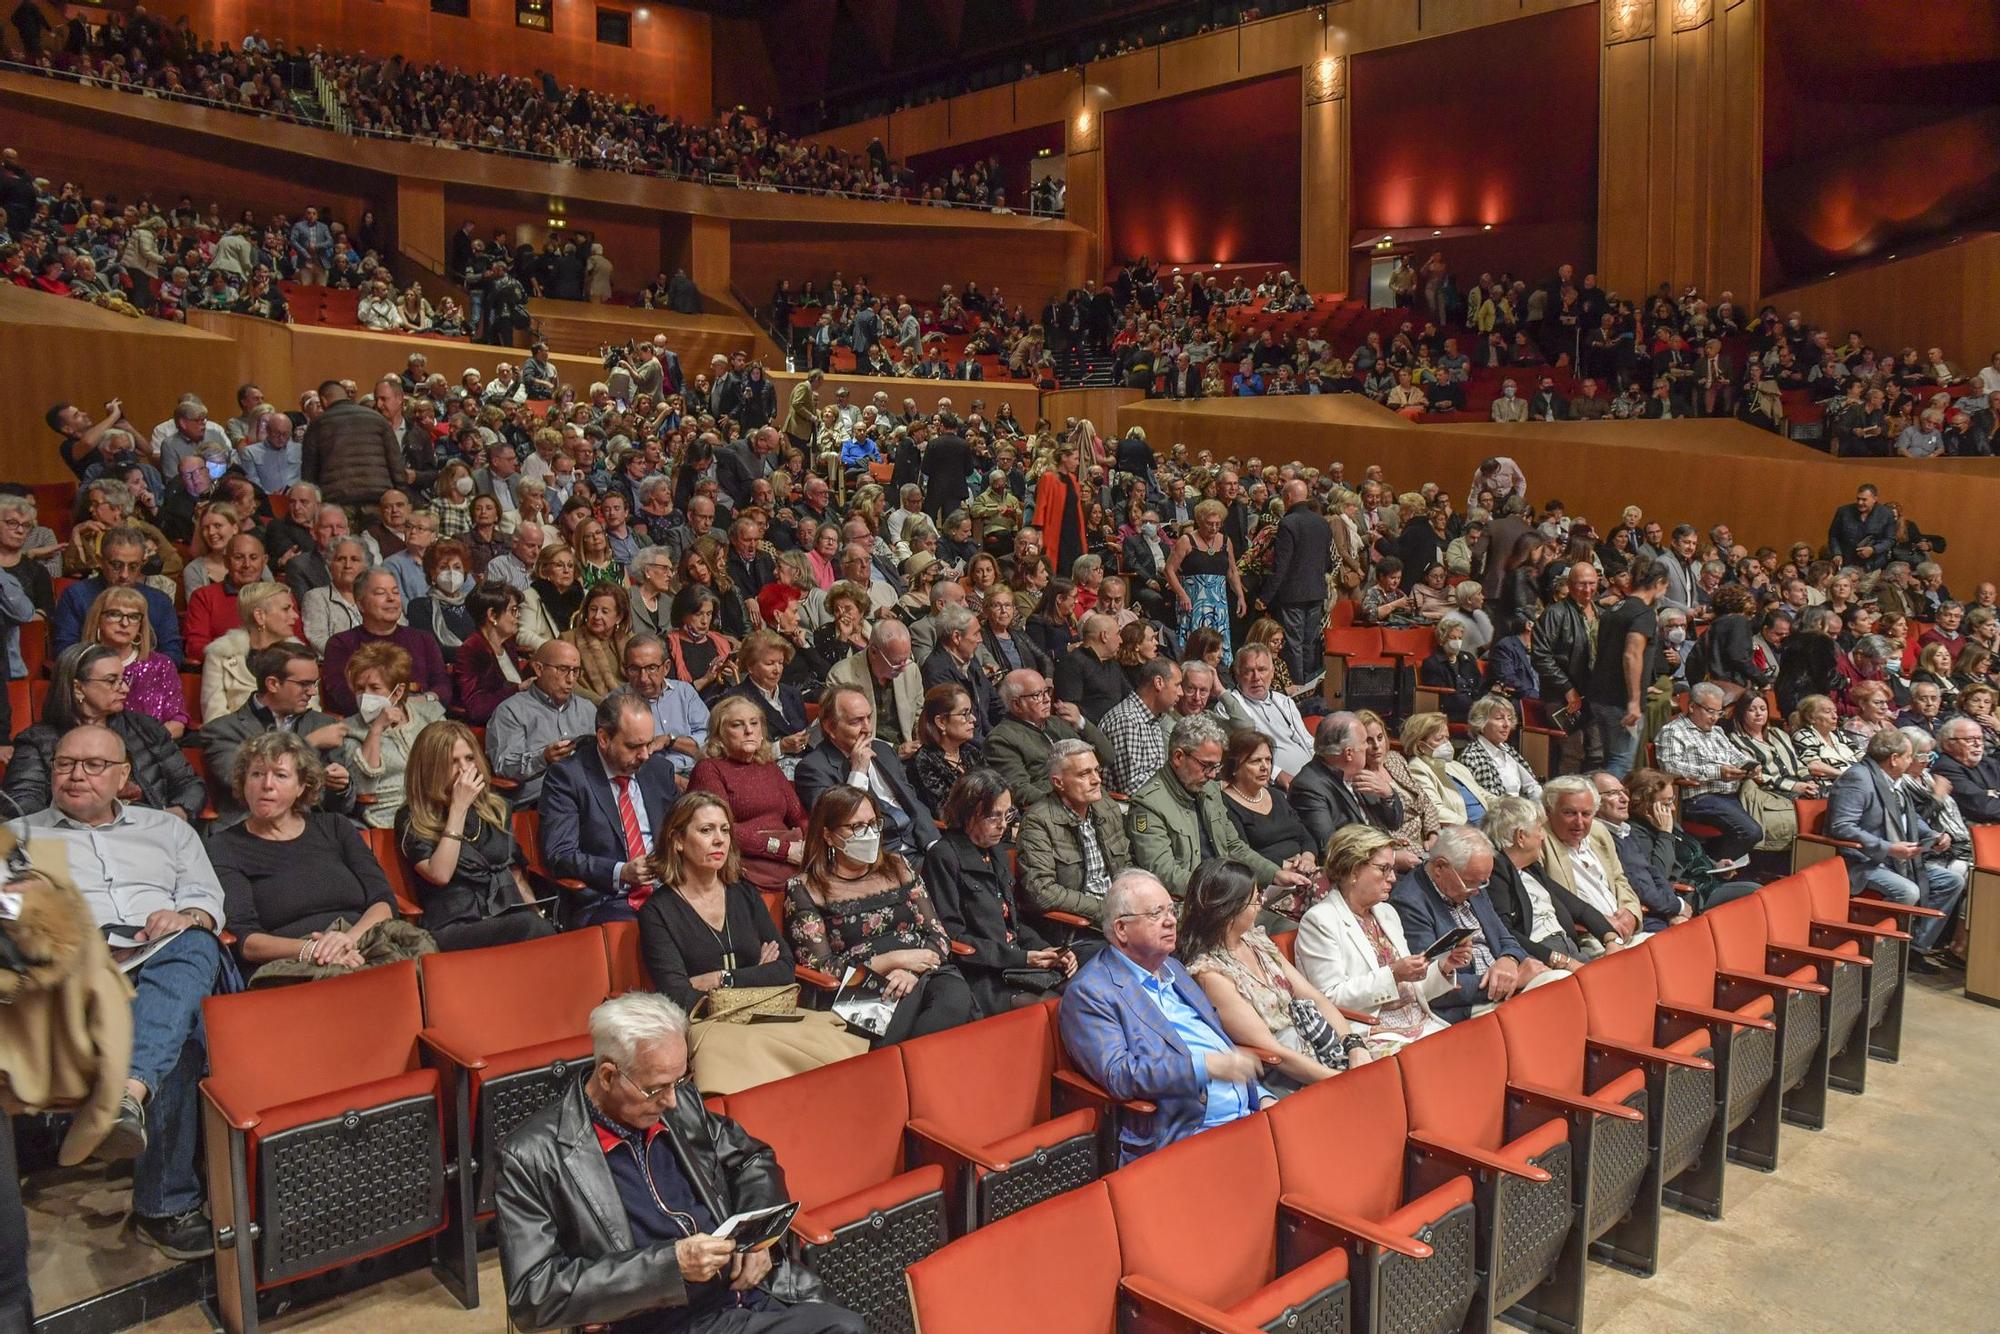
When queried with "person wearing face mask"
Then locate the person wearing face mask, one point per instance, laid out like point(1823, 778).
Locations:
point(1144, 559)
point(1451, 669)
point(1509, 407)
point(442, 610)
point(1435, 771)
point(378, 738)
point(857, 904)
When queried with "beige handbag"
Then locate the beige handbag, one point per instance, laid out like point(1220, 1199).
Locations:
point(737, 1005)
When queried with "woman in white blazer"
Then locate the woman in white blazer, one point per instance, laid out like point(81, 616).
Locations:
point(1351, 945)
point(1437, 774)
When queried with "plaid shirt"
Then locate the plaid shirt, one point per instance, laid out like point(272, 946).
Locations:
point(1138, 746)
point(1685, 751)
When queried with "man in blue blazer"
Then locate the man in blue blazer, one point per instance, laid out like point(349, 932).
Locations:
point(1135, 1022)
point(851, 756)
point(1896, 851)
point(1444, 893)
point(602, 808)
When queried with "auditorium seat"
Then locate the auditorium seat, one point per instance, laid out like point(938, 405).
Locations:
point(1982, 941)
point(509, 1025)
point(621, 953)
point(980, 1108)
point(1814, 844)
point(1360, 672)
point(1052, 1268)
point(325, 1134)
point(1836, 954)
point(1876, 933)
point(866, 1212)
point(1747, 966)
point(1200, 1242)
point(1547, 1037)
point(1686, 1139)
point(1465, 1118)
point(1744, 1037)
point(1342, 1162)
point(396, 868)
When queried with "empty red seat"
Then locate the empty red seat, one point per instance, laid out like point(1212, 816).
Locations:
point(1846, 972)
point(1748, 965)
point(1342, 1162)
point(1052, 1268)
point(1687, 1141)
point(1199, 1236)
point(621, 955)
point(1742, 1036)
point(867, 1211)
point(980, 1108)
point(324, 1132)
point(396, 868)
point(1522, 1164)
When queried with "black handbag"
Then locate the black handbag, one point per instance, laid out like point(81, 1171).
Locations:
point(1318, 1034)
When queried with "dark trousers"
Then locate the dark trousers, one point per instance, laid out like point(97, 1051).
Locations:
point(17, 1307)
point(805, 1318)
point(1739, 833)
point(1305, 638)
point(509, 927)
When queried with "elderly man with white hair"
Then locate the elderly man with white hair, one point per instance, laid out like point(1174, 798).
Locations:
point(1971, 771)
point(1701, 759)
point(1581, 857)
point(1259, 705)
point(609, 1198)
point(1072, 846)
point(885, 670)
point(1891, 848)
point(1447, 894)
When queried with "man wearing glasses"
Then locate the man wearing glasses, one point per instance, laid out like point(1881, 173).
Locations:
point(287, 689)
point(1019, 745)
point(1702, 760)
point(540, 726)
point(1137, 1024)
point(144, 871)
point(609, 1198)
point(1177, 820)
point(1446, 893)
point(121, 564)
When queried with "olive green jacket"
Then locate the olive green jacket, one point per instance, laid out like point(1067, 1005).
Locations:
point(1166, 840)
point(1052, 856)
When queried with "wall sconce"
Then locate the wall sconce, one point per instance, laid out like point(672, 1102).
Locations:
point(1326, 80)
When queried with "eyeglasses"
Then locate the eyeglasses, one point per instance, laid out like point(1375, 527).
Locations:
point(561, 668)
point(114, 680)
point(125, 617)
point(94, 767)
point(645, 1094)
point(1166, 912)
point(961, 714)
point(1044, 693)
point(857, 830)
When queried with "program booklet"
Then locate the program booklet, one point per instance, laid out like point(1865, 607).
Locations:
point(755, 1229)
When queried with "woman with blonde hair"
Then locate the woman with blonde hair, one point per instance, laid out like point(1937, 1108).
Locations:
point(456, 833)
point(1351, 944)
point(1435, 771)
point(553, 599)
point(711, 947)
point(118, 620)
point(215, 523)
point(600, 631)
point(1201, 571)
point(270, 616)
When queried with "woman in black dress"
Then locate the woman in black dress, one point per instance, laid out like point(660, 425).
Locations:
point(1259, 811)
point(972, 885)
point(947, 726)
point(706, 937)
point(455, 831)
point(1451, 668)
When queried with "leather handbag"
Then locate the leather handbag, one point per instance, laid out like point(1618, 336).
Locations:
point(738, 1005)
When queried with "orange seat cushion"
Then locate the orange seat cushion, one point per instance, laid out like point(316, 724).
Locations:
point(1296, 1288)
point(1051, 1132)
point(1428, 1207)
point(1693, 1044)
point(1762, 1007)
point(1623, 1087)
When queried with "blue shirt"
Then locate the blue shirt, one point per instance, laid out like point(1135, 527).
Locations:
point(1226, 1101)
point(409, 572)
point(679, 712)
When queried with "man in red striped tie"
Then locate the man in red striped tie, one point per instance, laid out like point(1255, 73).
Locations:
point(601, 807)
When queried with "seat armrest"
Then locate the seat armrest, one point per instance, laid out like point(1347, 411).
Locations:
point(1814, 954)
point(935, 1136)
point(1097, 1097)
point(1574, 1102)
point(1859, 931)
point(1181, 1307)
point(1895, 909)
point(1355, 1228)
point(237, 1118)
point(1703, 1017)
point(813, 977)
point(1361, 1017)
point(1828, 841)
point(1766, 982)
point(1067, 919)
point(1479, 1160)
point(960, 948)
point(438, 1045)
point(1632, 1051)
point(808, 1228)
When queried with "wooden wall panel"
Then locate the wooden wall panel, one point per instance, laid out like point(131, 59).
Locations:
point(1028, 268)
point(1200, 62)
point(1325, 220)
point(1688, 185)
point(421, 230)
point(922, 128)
point(985, 114)
point(1099, 407)
point(1949, 298)
point(1284, 42)
point(1624, 167)
point(1736, 221)
point(1044, 98)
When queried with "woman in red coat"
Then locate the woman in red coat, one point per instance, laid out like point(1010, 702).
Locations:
point(1060, 510)
point(488, 668)
point(740, 767)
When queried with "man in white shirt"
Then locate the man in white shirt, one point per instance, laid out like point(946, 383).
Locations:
point(144, 870)
point(517, 567)
point(1254, 704)
point(1989, 378)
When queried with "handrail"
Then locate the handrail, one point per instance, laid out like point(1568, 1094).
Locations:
point(339, 122)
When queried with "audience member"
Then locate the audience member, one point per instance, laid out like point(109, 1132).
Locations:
point(88, 689)
point(740, 766)
point(599, 805)
point(455, 832)
point(1446, 894)
point(1072, 846)
point(287, 676)
point(1889, 847)
point(1179, 818)
point(381, 606)
point(541, 725)
point(117, 620)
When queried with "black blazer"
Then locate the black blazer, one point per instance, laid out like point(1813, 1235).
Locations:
point(1324, 802)
point(974, 896)
point(947, 469)
point(940, 668)
point(788, 718)
point(1510, 902)
point(1427, 916)
point(163, 775)
point(736, 466)
point(1032, 652)
point(826, 765)
point(1300, 559)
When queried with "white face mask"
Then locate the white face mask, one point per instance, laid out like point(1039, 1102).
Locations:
point(1150, 530)
point(370, 706)
point(1676, 635)
point(1508, 391)
point(450, 579)
point(864, 848)
point(1442, 750)
point(463, 486)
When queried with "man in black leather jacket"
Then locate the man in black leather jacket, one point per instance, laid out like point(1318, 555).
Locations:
point(1565, 639)
point(608, 1198)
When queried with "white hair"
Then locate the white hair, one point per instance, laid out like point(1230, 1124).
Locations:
point(1458, 844)
point(1568, 785)
point(1124, 888)
point(623, 1024)
point(1062, 752)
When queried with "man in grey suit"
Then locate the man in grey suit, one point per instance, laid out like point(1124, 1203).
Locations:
point(287, 686)
point(1894, 856)
point(1295, 589)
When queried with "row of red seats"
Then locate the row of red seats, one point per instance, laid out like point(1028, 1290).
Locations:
point(1475, 1172)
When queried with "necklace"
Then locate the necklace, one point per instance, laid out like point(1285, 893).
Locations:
point(722, 936)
